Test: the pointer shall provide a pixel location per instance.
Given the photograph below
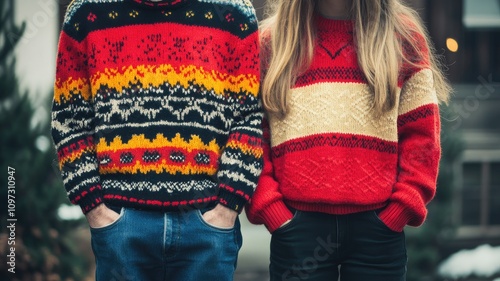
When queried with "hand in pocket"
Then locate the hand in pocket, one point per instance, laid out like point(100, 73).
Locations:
point(101, 216)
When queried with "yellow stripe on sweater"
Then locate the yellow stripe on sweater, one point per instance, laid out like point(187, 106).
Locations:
point(160, 168)
point(155, 76)
point(74, 156)
point(140, 141)
point(245, 148)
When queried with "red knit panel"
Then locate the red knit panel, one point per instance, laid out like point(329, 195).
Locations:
point(70, 64)
point(321, 75)
point(118, 47)
point(336, 175)
point(335, 58)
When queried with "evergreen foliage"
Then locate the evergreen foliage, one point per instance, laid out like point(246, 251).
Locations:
point(45, 246)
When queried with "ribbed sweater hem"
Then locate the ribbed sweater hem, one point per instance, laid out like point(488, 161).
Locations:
point(334, 209)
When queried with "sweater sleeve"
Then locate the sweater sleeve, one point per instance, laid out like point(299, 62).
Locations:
point(267, 206)
point(241, 161)
point(73, 124)
point(418, 153)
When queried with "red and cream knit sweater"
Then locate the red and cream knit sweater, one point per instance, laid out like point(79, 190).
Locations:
point(331, 154)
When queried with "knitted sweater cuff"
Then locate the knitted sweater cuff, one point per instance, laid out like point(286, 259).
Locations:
point(232, 201)
point(89, 200)
point(275, 215)
point(395, 216)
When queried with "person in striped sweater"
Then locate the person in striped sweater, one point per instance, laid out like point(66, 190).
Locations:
point(352, 137)
point(156, 120)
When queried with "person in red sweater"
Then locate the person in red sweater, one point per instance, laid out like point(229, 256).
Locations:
point(352, 147)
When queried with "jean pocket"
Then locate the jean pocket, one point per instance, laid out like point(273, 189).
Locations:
point(111, 224)
point(291, 223)
point(380, 222)
point(211, 226)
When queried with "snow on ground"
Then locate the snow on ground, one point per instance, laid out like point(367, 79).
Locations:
point(67, 212)
point(483, 261)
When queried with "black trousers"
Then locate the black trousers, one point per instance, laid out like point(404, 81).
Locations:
point(323, 247)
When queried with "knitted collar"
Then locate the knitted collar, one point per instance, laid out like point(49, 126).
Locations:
point(329, 24)
point(162, 3)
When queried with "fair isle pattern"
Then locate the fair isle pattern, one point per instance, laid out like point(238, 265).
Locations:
point(125, 109)
point(120, 79)
point(332, 154)
point(153, 105)
point(245, 6)
point(160, 155)
point(154, 109)
point(76, 4)
point(156, 104)
point(160, 141)
point(118, 186)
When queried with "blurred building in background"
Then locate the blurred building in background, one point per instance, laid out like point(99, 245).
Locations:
point(467, 33)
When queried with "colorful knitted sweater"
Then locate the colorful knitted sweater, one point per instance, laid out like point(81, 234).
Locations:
point(156, 103)
point(331, 154)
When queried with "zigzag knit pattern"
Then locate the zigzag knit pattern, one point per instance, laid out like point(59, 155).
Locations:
point(156, 103)
point(332, 154)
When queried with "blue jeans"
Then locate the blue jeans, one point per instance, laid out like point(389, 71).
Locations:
point(356, 247)
point(156, 246)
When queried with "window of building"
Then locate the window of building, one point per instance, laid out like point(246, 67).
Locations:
point(480, 198)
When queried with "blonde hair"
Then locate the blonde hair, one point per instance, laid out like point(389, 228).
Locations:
point(387, 35)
